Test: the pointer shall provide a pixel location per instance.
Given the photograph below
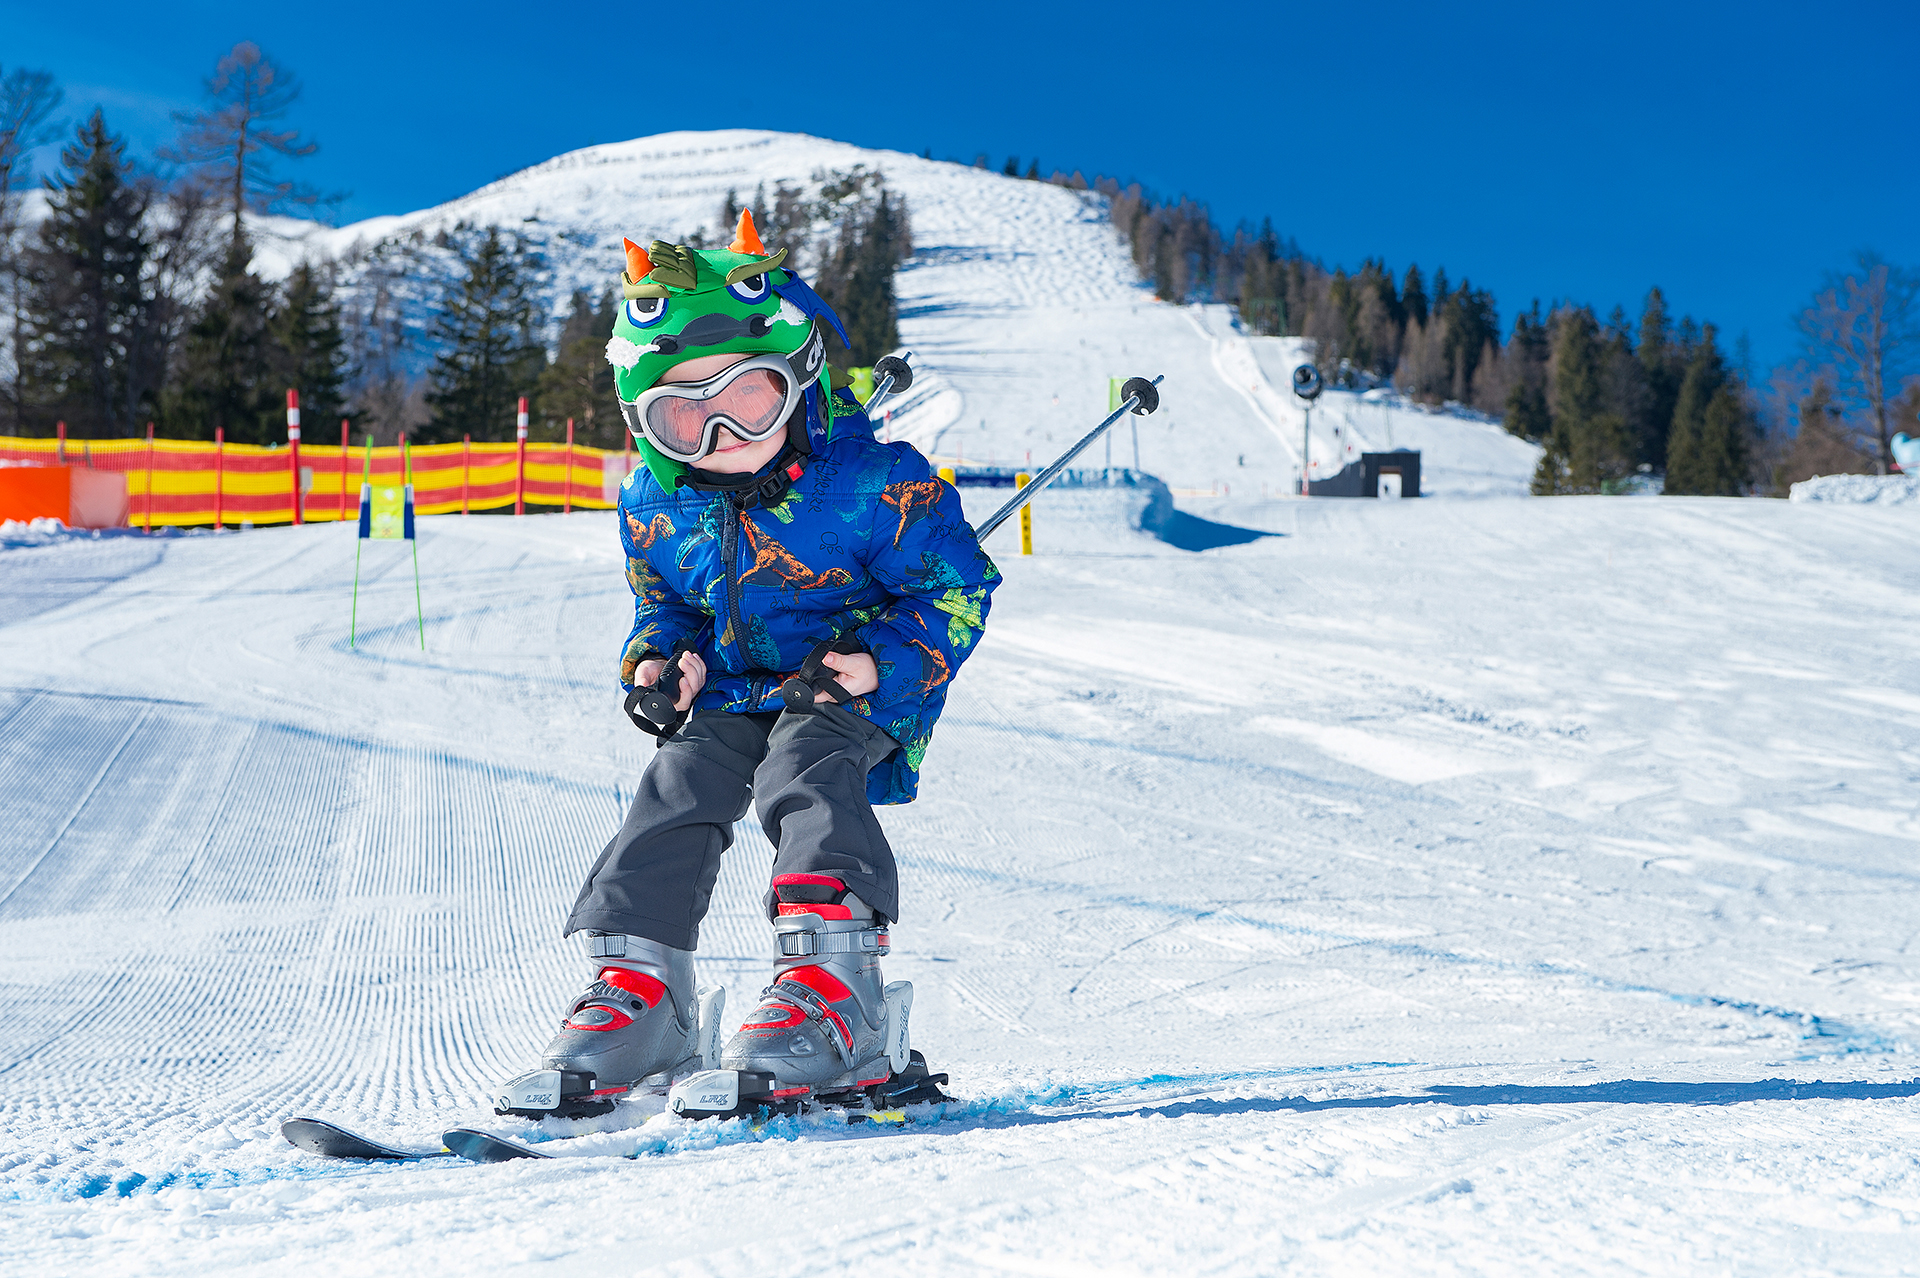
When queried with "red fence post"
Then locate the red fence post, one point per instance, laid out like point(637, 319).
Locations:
point(293, 451)
point(466, 469)
point(149, 477)
point(566, 507)
point(343, 468)
point(520, 481)
point(219, 474)
point(60, 448)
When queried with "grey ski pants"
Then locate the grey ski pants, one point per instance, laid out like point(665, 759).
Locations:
point(808, 773)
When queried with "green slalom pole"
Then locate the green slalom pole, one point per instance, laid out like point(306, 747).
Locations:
point(366, 478)
point(419, 609)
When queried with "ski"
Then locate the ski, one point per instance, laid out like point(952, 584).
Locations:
point(330, 1140)
point(485, 1147)
point(886, 1104)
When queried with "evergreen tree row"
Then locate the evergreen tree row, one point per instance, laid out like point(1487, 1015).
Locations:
point(848, 241)
point(135, 303)
point(1608, 402)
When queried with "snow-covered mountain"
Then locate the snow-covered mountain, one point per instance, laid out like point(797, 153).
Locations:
point(1019, 303)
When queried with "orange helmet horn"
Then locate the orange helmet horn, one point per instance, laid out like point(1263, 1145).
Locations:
point(745, 238)
point(639, 265)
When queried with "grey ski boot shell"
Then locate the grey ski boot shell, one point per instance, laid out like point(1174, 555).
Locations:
point(822, 1026)
point(639, 1024)
point(637, 1019)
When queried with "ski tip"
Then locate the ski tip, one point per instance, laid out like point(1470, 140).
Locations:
point(485, 1147)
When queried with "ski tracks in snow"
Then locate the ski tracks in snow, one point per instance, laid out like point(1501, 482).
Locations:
point(1526, 848)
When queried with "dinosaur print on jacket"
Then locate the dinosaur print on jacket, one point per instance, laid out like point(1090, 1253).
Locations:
point(775, 565)
point(754, 590)
point(915, 500)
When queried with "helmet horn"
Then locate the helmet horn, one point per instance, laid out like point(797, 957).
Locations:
point(639, 265)
point(745, 238)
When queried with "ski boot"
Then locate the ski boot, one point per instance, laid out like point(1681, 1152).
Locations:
point(827, 1029)
point(636, 1025)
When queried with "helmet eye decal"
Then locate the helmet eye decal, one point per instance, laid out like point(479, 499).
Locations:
point(645, 312)
point(749, 290)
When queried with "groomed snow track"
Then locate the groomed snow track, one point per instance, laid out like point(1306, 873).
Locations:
point(1467, 889)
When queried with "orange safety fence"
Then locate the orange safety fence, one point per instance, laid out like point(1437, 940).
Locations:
point(178, 481)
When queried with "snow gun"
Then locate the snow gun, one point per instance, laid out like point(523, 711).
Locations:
point(1138, 395)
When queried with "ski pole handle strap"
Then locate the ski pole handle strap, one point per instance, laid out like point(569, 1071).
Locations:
point(816, 676)
point(652, 709)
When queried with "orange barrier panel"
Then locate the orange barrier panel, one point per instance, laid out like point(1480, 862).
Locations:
point(35, 492)
point(188, 482)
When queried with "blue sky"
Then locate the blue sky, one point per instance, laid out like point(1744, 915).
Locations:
point(1728, 153)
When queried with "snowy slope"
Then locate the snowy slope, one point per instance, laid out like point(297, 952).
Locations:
point(1480, 887)
point(1020, 302)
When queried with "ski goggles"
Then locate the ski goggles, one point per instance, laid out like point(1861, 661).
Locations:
point(753, 399)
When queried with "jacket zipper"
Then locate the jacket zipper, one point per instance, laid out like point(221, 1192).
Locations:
point(730, 551)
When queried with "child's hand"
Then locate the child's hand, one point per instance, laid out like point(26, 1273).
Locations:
point(854, 671)
point(693, 677)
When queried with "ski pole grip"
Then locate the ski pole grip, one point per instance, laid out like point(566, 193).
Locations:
point(657, 702)
point(816, 676)
point(653, 708)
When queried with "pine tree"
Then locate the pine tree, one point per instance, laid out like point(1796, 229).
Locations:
point(857, 279)
point(1413, 296)
point(490, 352)
point(309, 350)
point(1823, 446)
point(227, 379)
point(1033, 170)
point(579, 382)
point(1665, 367)
point(1724, 445)
point(1012, 168)
point(1471, 322)
point(1526, 414)
point(1526, 355)
point(1623, 384)
point(1586, 447)
point(1691, 462)
point(27, 102)
point(88, 355)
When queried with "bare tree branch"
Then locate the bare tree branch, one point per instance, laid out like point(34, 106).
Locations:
point(1861, 329)
point(229, 144)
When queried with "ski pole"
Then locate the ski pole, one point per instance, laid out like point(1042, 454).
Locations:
point(890, 369)
point(1141, 398)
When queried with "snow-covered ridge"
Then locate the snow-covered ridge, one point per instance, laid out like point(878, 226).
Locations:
point(1020, 303)
point(1881, 490)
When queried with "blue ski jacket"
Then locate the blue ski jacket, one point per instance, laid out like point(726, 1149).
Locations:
point(868, 542)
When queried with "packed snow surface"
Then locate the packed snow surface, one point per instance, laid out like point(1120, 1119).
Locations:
point(1493, 886)
point(1504, 886)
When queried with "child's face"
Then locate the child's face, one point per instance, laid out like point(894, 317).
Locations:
point(730, 455)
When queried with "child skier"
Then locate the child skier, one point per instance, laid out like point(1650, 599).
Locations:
point(770, 541)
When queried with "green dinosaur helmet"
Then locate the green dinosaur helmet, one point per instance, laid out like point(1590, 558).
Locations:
point(681, 303)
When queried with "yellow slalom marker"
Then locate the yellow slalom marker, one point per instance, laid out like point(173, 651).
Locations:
point(1020, 481)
